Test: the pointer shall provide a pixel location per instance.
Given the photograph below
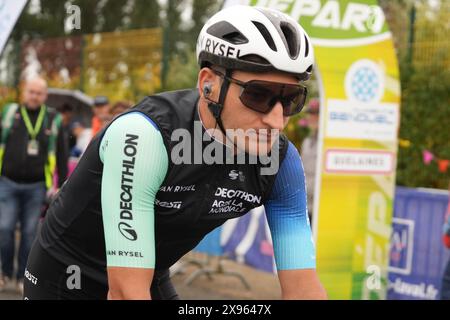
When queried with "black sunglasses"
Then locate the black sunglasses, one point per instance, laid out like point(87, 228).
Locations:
point(262, 96)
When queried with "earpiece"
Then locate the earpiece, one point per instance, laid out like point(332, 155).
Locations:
point(207, 89)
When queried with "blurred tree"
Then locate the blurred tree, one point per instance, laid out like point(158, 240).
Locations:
point(89, 16)
point(425, 110)
point(173, 21)
point(182, 73)
point(111, 15)
point(172, 35)
point(201, 11)
point(425, 116)
point(50, 20)
point(144, 14)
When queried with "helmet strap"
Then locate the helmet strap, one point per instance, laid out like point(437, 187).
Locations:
point(216, 108)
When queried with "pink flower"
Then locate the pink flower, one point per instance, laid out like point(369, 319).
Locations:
point(303, 122)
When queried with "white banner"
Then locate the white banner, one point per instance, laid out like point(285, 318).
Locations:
point(10, 10)
point(361, 162)
point(351, 119)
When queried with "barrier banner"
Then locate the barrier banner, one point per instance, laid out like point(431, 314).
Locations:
point(418, 257)
point(246, 240)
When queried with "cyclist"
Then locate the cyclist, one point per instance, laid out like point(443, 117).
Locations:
point(136, 204)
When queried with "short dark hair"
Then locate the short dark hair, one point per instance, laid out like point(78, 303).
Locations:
point(100, 101)
point(66, 108)
point(121, 104)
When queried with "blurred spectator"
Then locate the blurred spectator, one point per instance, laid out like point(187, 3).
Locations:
point(445, 290)
point(83, 137)
point(67, 122)
point(32, 143)
point(102, 115)
point(309, 151)
point(119, 107)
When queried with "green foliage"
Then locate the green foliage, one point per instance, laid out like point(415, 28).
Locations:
point(425, 105)
point(145, 14)
point(425, 117)
point(201, 11)
point(183, 72)
point(179, 65)
point(294, 130)
point(174, 34)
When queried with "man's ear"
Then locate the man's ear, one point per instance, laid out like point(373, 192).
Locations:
point(206, 80)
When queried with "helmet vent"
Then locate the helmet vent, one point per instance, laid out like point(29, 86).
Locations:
point(226, 31)
point(255, 58)
point(266, 35)
point(307, 46)
point(293, 45)
point(235, 38)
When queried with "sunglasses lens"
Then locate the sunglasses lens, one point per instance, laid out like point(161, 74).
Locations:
point(261, 96)
point(257, 96)
point(293, 100)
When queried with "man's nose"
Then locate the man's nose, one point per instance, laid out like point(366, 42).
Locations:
point(275, 118)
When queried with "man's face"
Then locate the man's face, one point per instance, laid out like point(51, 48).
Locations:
point(101, 111)
point(66, 117)
point(35, 93)
point(236, 115)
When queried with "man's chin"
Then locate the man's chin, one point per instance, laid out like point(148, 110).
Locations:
point(33, 106)
point(260, 148)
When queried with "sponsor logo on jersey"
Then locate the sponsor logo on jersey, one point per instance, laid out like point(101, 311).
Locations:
point(228, 206)
point(168, 204)
point(236, 204)
point(127, 231)
point(177, 188)
point(235, 174)
point(30, 277)
point(123, 253)
point(126, 186)
point(237, 194)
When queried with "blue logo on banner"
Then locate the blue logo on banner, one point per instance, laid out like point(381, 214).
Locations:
point(365, 84)
point(401, 245)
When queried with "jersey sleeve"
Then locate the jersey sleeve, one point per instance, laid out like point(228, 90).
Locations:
point(135, 164)
point(287, 216)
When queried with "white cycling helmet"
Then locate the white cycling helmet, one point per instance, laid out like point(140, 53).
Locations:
point(255, 39)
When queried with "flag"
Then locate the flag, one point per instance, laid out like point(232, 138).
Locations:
point(427, 157)
point(443, 165)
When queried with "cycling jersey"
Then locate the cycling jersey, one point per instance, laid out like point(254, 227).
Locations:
point(130, 202)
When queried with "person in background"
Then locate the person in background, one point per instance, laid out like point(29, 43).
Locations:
point(83, 137)
point(32, 145)
point(445, 289)
point(101, 114)
point(67, 122)
point(309, 152)
point(119, 107)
